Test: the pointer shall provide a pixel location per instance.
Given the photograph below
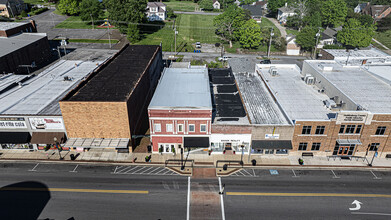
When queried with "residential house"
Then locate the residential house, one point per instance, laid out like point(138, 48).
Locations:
point(216, 4)
point(360, 7)
point(329, 37)
point(256, 11)
point(263, 4)
point(11, 8)
point(156, 11)
point(284, 13)
point(377, 11)
point(292, 48)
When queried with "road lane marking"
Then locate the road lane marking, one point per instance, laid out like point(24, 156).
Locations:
point(74, 190)
point(247, 172)
point(156, 168)
point(254, 172)
point(74, 170)
point(129, 168)
point(146, 170)
point(294, 173)
point(137, 171)
point(221, 200)
point(370, 213)
point(376, 178)
point(188, 199)
point(308, 194)
point(116, 167)
point(34, 167)
point(335, 176)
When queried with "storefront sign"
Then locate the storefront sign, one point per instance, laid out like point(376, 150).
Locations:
point(47, 123)
point(272, 136)
point(12, 123)
point(231, 138)
point(353, 117)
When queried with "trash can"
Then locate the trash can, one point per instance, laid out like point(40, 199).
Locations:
point(72, 156)
point(225, 167)
point(254, 162)
point(149, 148)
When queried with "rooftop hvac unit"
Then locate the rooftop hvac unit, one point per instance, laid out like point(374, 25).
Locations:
point(310, 80)
point(273, 71)
point(326, 68)
point(331, 104)
point(306, 76)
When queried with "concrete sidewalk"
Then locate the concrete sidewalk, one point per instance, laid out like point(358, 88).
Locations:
point(110, 156)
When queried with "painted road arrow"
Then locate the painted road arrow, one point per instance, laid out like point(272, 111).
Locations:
point(358, 205)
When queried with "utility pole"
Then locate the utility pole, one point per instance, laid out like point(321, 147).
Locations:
point(12, 12)
point(175, 33)
point(316, 44)
point(92, 21)
point(270, 43)
point(108, 32)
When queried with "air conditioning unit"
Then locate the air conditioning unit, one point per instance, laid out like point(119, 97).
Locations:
point(310, 80)
point(306, 76)
point(330, 104)
point(273, 71)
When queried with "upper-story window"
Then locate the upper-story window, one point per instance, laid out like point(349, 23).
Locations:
point(203, 128)
point(319, 130)
point(168, 127)
point(350, 129)
point(358, 129)
point(341, 129)
point(180, 127)
point(380, 130)
point(191, 128)
point(153, 9)
point(374, 146)
point(158, 127)
point(303, 146)
point(306, 130)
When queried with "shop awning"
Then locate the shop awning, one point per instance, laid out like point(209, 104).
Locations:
point(348, 141)
point(98, 142)
point(14, 137)
point(196, 142)
point(276, 144)
point(48, 137)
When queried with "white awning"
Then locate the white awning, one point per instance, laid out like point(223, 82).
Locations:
point(98, 142)
point(349, 141)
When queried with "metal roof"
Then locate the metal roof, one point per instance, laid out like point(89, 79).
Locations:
point(182, 88)
point(9, 25)
point(40, 94)
point(299, 100)
point(15, 42)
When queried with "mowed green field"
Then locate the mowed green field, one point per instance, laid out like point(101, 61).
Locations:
point(384, 38)
point(181, 5)
point(197, 28)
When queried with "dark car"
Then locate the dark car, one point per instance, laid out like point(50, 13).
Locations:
point(265, 62)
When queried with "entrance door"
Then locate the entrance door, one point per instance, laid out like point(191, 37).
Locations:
point(344, 150)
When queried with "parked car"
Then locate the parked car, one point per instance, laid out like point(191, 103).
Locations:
point(198, 45)
point(265, 62)
point(224, 58)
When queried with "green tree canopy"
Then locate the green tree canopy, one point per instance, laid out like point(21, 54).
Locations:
point(354, 34)
point(206, 4)
point(307, 38)
point(125, 12)
point(228, 23)
point(90, 8)
point(384, 24)
point(366, 20)
point(246, 2)
point(313, 20)
point(333, 12)
point(250, 34)
point(274, 5)
point(69, 7)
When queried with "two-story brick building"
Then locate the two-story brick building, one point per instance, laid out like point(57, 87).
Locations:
point(180, 111)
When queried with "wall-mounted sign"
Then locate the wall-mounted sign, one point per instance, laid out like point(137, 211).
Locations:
point(12, 123)
point(47, 123)
point(272, 136)
point(353, 117)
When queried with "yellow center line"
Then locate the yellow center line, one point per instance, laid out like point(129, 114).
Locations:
point(308, 194)
point(74, 190)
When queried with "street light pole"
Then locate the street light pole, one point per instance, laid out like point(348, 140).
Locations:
point(92, 21)
point(175, 33)
point(316, 44)
point(108, 32)
point(56, 143)
point(270, 43)
point(373, 157)
point(241, 157)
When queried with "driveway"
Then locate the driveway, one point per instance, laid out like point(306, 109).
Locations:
point(278, 25)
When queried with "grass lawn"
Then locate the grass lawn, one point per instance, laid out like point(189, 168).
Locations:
point(384, 38)
point(291, 31)
point(100, 41)
point(164, 35)
point(236, 45)
point(194, 28)
point(74, 22)
point(268, 24)
point(181, 5)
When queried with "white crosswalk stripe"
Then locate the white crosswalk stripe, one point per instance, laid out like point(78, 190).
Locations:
point(143, 170)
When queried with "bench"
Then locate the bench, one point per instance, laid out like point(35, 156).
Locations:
point(388, 155)
point(307, 154)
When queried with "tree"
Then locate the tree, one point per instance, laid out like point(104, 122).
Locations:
point(170, 12)
point(366, 20)
point(250, 34)
point(274, 5)
point(313, 20)
point(246, 2)
point(384, 24)
point(133, 33)
point(90, 8)
point(228, 23)
point(333, 12)
point(125, 12)
point(307, 38)
point(294, 21)
point(226, 3)
point(206, 4)
point(354, 34)
point(69, 7)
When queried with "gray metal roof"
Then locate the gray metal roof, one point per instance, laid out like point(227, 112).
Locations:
point(182, 88)
point(15, 42)
point(40, 94)
point(9, 25)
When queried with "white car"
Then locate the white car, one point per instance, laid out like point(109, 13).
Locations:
point(224, 58)
point(198, 45)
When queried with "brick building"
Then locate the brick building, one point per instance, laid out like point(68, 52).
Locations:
point(180, 112)
point(112, 103)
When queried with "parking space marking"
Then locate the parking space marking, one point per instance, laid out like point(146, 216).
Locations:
point(294, 174)
point(74, 170)
point(146, 170)
point(159, 172)
point(335, 176)
point(156, 168)
point(248, 173)
point(375, 177)
point(143, 170)
point(34, 167)
point(116, 167)
point(129, 168)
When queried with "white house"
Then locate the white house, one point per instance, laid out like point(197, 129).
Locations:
point(216, 4)
point(292, 48)
point(284, 13)
point(328, 37)
point(360, 7)
point(156, 11)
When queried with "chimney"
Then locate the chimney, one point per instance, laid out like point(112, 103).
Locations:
point(34, 25)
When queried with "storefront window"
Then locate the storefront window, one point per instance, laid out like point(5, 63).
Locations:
point(269, 151)
point(282, 151)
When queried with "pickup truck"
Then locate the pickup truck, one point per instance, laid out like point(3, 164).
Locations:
point(224, 58)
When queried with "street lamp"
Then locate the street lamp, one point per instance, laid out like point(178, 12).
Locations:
point(241, 157)
point(92, 21)
point(270, 42)
point(373, 157)
point(57, 146)
point(316, 44)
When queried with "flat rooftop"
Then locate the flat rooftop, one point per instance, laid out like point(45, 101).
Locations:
point(382, 72)
point(353, 54)
point(9, 25)
point(299, 100)
point(117, 80)
point(39, 95)
point(182, 88)
point(15, 42)
point(260, 105)
point(361, 86)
